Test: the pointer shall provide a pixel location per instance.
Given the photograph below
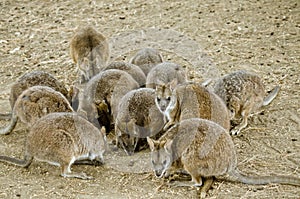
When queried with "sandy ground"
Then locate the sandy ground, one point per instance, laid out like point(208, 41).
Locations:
point(222, 36)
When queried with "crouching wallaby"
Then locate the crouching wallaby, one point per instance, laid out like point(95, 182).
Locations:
point(34, 78)
point(243, 93)
point(34, 103)
point(61, 139)
point(205, 150)
point(137, 118)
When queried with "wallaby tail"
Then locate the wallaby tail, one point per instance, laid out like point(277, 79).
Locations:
point(5, 116)
point(18, 162)
point(8, 129)
point(260, 180)
point(271, 96)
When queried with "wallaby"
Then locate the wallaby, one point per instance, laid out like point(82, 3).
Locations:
point(137, 118)
point(61, 139)
point(106, 88)
point(34, 103)
point(244, 93)
point(89, 49)
point(146, 59)
point(191, 100)
point(131, 69)
point(165, 72)
point(34, 78)
point(205, 150)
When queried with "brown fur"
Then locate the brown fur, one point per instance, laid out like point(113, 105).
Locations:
point(138, 117)
point(34, 103)
point(108, 87)
point(146, 59)
point(243, 93)
point(131, 69)
point(205, 150)
point(165, 72)
point(61, 139)
point(35, 78)
point(191, 100)
point(90, 51)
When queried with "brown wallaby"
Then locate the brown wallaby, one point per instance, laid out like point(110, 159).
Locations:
point(165, 72)
point(107, 87)
point(34, 103)
point(34, 78)
point(244, 93)
point(61, 139)
point(205, 150)
point(146, 59)
point(131, 69)
point(90, 51)
point(191, 100)
point(137, 118)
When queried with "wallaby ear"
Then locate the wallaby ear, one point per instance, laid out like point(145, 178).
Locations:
point(173, 83)
point(150, 143)
point(168, 146)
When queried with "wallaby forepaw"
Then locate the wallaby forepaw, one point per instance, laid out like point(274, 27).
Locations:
point(235, 131)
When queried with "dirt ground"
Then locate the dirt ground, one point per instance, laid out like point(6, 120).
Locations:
point(223, 35)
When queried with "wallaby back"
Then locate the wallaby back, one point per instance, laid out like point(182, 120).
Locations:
point(133, 70)
point(108, 87)
point(137, 117)
point(165, 72)
point(192, 100)
point(90, 51)
point(146, 59)
point(34, 103)
point(35, 78)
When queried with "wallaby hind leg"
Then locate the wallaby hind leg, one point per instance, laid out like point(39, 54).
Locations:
point(66, 172)
point(208, 181)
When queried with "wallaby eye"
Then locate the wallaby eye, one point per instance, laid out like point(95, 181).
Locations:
point(164, 162)
point(158, 99)
point(168, 98)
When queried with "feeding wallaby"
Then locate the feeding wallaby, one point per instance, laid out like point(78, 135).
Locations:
point(190, 100)
point(34, 103)
point(146, 59)
point(243, 93)
point(138, 117)
point(107, 87)
point(165, 72)
point(34, 78)
point(61, 139)
point(131, 69)
point(90, 51)
point(205, 150)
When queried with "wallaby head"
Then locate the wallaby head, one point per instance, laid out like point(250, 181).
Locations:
point(161, 156)
point(146, 59)
point(90, 51)
point(163, 92)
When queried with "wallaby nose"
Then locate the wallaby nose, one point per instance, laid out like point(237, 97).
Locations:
point(158, 173)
